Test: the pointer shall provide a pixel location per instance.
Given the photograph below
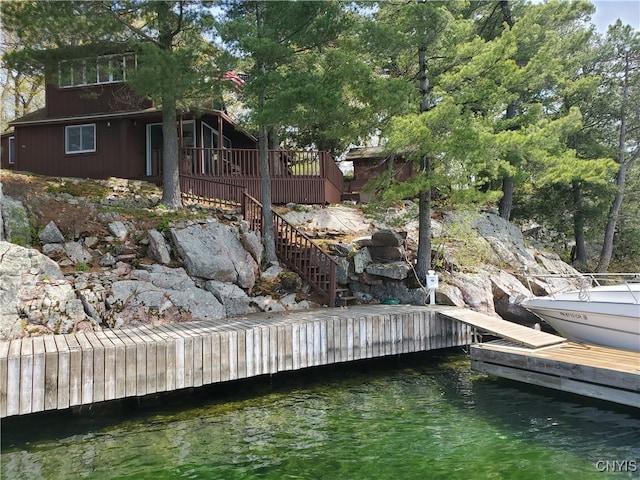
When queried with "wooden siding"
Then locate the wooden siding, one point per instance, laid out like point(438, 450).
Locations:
point(93, 99)
point(367, 168)
point(120, 150)
point(61, 371)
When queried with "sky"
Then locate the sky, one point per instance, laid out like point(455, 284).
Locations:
point(608, 11)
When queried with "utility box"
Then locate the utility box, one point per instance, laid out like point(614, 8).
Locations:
point(432, 280)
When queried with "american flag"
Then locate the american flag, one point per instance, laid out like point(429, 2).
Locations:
point(235, 77)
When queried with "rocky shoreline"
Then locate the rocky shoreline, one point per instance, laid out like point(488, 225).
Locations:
point(120, 273)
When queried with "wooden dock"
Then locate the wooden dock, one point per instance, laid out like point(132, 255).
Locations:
point(546, 360)
point(589, 370)
point(61, 371)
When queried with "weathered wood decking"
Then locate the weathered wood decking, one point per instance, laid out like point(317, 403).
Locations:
point(589, 370)
point(61, 371)
point(511, 331)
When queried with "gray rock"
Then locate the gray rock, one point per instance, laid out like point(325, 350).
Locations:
point(119, 230)
point(342, 272)
point(386, 254)
point(149, 301)
point(52, 249)
point(77, 253)
point(15, 221)
point(51, 234)
point(395, 270)
point(251, 241)
point(90, 242)
point(272, 272)
point(225, 260)
point(158, 248)
point(34, 292)
point(234, 299)
point(267, 304)
point(387, 238)
point(341, 249)
point(107, 260)
point(361, 259)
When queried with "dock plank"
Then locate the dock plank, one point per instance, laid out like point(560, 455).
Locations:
point(39, 375)
point(50, 372)
point(13, 377)
point(4, 362)
point(26, 376)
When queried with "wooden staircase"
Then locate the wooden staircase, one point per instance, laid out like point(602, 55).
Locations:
point(293, 248)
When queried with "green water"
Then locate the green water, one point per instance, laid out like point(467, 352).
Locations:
point(423, 417)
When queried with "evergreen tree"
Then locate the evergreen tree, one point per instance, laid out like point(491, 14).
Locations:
point(176, 64)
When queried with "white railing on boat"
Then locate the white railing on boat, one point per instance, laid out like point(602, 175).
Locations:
point(629, 283)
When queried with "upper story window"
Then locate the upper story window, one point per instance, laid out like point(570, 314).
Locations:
point(80, 138)
point(104, 69)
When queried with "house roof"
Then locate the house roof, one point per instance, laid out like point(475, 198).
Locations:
point(39, 117)
point(358, 153)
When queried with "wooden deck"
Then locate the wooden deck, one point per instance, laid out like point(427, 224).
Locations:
point(502, 328)
point(589, 370)
point(60, 371)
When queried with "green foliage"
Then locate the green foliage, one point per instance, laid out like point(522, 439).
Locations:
point(89, 190)
point(460, 247)
point(82, 267)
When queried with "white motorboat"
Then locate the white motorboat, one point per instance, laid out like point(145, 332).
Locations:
point(594, 313)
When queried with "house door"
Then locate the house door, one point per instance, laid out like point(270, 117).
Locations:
point(209, 144)
point(154, 149)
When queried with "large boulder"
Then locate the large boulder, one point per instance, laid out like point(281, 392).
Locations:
point(158, 294)
point(235, 300)
point(15, 221)
point(213, 251)
point(158, 248)
point(34, 295)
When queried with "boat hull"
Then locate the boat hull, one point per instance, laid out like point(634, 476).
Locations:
point(600, 323)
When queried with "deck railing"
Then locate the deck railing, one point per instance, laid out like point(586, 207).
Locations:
point(307, 177)
point(293, 247)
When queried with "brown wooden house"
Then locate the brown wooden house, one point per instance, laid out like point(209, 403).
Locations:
point(369, 162)
point(94, 126)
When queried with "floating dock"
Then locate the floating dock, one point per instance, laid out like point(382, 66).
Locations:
point(588, 370)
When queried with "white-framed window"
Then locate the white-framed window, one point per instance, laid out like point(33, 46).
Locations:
point(12, 150)
point(80, 138)
point(104, 69)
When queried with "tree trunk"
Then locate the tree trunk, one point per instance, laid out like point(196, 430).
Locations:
point(506, 202)
point(170, 173)
point(423, 260)
point(268, 233)
point(170, 146)
point(610, 230)
point(579, 256)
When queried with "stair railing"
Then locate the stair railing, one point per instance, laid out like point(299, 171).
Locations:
point(293, 247)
